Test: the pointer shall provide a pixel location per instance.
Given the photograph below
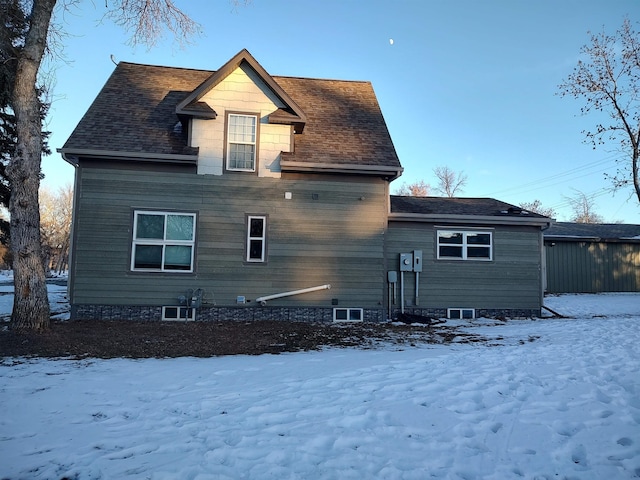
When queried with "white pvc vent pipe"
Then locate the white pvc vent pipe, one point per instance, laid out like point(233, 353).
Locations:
point(263, 300)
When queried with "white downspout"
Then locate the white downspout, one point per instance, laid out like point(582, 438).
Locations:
point(263, 300)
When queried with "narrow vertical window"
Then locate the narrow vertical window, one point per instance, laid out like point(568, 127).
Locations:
point(241, 142)
point(256, 238)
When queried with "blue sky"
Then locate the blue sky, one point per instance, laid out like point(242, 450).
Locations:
point(466, 84)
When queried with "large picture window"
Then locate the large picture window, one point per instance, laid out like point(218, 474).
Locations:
point(464, 245)
point(242, 134)
point(163, 241)
point(256, 238)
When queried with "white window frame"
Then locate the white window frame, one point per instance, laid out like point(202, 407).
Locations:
point(352, 314)
point(236, 142)
point(164, 242)
point(183, 314)
point(465, 245)
point(262, 238)
point(461, 313)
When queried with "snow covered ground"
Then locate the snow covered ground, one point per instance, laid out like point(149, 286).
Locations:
point(545, 399)
point(57, 296)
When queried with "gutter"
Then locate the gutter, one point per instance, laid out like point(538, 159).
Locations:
point(471, 219)
point(72, 156)
point(391, 172)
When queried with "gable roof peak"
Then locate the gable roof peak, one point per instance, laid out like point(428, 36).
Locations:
point(191, 105)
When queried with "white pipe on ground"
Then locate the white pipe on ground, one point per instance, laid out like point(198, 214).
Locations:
point(263, 300)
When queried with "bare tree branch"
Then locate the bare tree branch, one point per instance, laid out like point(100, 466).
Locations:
point(537, 207)
point(450, 183)
point(609, 81)
point(583, 209)
point(147, 20)
point(419, 188)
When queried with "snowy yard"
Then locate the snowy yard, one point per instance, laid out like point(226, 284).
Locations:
point(549, 399)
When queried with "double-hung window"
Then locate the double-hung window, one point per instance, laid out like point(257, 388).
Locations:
point(464, 245)
point(256, 238)
point(163, 241)
point(242, 134)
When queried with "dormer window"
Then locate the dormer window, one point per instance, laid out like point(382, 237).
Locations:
point(242, 138)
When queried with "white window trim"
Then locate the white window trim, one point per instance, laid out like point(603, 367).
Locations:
point(465, 245)
point(262, 238)
point(164, 242)
point(254, 143)
point(461, 310)
point(348, 311)
point(189, 314)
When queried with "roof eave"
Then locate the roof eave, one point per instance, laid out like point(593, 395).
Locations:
point(73, 155)
point(471, 219)
point(575, 239)
point(389, 173)
point(182, 112)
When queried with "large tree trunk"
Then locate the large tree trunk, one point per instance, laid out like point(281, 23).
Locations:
point(31, 304)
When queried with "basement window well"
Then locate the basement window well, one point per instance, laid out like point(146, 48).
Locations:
point(347, 315)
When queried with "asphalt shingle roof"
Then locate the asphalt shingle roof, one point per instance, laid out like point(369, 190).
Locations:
point(135, 112)
point(603, 231)
point(456, 206)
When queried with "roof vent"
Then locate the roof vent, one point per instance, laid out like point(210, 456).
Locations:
point(514, 210)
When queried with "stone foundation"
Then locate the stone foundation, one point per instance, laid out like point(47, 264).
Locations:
point(217, 314)
point(480, 312)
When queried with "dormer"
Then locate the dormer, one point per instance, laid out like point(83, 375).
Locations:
point(241, 119)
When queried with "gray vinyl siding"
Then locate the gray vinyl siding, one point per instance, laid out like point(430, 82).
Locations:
point(330, 232)
point(592, 267)
point(511, 280)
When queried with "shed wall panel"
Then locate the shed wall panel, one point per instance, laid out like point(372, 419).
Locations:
point(592, 267)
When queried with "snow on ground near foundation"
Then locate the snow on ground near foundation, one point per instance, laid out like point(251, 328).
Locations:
point(545, 399)
point(56, 287)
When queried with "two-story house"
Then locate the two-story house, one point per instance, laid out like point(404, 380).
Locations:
point(234, 194)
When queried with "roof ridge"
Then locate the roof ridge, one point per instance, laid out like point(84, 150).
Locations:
point(206, 70)
point(166, 67)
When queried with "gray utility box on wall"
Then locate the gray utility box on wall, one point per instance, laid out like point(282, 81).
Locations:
point(406, 262)
point(417, 260)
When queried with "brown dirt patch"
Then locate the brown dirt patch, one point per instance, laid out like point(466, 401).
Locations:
point(133, 339)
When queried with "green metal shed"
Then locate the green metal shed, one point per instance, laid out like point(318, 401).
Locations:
point(592, 258)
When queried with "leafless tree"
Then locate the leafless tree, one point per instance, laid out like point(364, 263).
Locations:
point(537, 207)
point(583, 209)
point(608, 78)
point(144, 20)
point(450, 183)
point(55, 226)
point(419, 188)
